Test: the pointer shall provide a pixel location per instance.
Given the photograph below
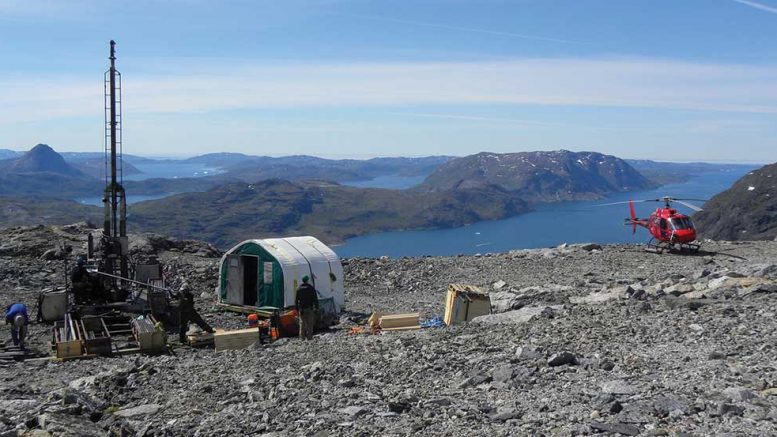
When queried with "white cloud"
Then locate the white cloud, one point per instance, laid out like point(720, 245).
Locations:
point(757, 5)
point(640, 83)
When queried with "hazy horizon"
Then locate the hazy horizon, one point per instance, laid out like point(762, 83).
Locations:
point(367, 157)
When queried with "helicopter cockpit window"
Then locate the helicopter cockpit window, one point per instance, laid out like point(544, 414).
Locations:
point(681, 223)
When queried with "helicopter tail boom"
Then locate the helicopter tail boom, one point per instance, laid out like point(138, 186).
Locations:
point(633, 217)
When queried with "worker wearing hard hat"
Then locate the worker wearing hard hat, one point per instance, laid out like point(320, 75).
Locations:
point(307, 306)
point(16, 316)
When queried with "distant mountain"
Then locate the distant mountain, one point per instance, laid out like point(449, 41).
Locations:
point(333, 212)
point(43, 172)
point(28, 211)
point(7, 154)
point(746, 211)
point(80, 157)
point(301, 167)
point(40, 158)
point(219, 160)
point(540, 176)
point(664, 173)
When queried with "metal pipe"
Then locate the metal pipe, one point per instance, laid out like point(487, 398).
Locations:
point(133, 281)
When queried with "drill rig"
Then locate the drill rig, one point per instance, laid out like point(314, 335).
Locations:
point(112, 296)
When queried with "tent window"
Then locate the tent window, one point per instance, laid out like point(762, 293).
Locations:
point(268, 273)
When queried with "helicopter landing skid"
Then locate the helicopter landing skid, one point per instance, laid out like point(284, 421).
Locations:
point(661, 246)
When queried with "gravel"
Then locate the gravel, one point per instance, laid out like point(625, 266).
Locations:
point(591, 339)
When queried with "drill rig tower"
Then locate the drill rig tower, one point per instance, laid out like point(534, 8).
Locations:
point(114, 242)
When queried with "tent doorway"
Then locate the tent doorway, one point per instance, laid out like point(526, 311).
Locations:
point(250, 280)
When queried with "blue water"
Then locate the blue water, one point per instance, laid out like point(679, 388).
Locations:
point(394, 182)
point(170, 171)
point(153, 170)
point(548, 226)
point(131, 198)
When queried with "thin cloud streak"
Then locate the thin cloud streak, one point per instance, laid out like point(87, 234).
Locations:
point(464, 29)
point(570, 82)
point(475, 118)
point(514, 121)
point(757, 5)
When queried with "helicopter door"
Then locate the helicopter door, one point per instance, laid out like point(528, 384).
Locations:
point(664, 226)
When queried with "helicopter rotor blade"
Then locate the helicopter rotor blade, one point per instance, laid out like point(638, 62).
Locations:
point(625, 202)
point(689, 205)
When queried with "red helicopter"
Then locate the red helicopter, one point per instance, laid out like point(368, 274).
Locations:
point(668, 228)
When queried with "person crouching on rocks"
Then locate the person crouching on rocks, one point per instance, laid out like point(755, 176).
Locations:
point(16, 316)
point(307, 306)
point(188, 314)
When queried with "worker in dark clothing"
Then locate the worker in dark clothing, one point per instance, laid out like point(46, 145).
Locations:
point(187, 314)
point(79, 273)
point(307, 306)
point(16, 316)
point(79, 278)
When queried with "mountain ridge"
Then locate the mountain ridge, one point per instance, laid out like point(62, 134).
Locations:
point(540, 176)
point(746, 211)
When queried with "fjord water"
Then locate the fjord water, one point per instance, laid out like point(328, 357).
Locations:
point(152, 170)
point(170, 170)
point(548, 226)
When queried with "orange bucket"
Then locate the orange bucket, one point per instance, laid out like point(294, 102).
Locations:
point(288, 322)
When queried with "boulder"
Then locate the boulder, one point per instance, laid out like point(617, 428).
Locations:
point(561, 359)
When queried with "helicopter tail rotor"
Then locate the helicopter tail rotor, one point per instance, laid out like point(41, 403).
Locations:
point(633, 217)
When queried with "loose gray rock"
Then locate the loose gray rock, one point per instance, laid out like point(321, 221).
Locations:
point(562, 358)
point(141, 410)
point(618, 387)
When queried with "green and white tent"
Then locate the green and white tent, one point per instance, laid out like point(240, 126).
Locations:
point(266, 273)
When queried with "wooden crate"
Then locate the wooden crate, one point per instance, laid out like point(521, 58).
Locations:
point(69, 349)
point(374, 320)
point(465, 302)
point(148, 337)
point(95, 336)
point(239, 339)
point(200, 339)
point(399, 320)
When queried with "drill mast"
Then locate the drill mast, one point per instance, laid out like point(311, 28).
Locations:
point(114, 239)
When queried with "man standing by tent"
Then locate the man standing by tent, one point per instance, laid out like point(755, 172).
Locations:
point(16, 316)
point(307, 306)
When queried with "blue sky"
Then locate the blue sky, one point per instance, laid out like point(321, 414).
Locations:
point(658, 79)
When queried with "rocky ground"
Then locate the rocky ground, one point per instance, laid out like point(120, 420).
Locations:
point(583, 340)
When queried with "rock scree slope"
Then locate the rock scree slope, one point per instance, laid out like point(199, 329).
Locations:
point(746, 211)
point(585, 339)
